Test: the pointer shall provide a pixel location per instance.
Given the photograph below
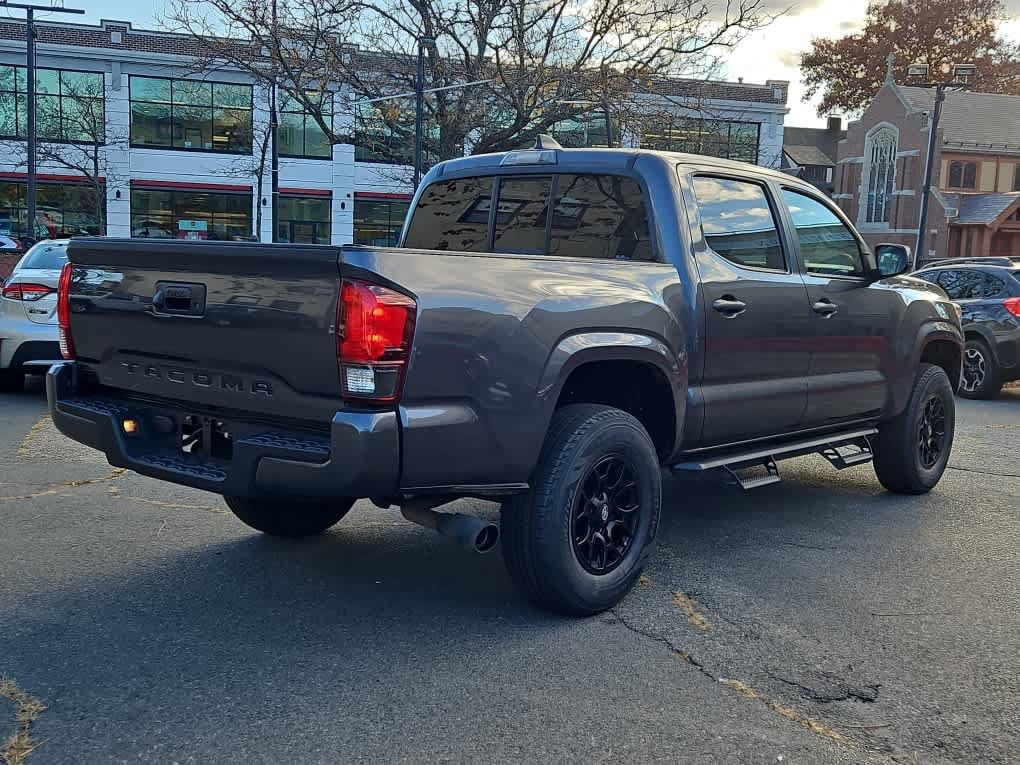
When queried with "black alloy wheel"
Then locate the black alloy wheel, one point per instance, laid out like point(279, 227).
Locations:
point(605, 516)
point(931, 432)
point(974, 369)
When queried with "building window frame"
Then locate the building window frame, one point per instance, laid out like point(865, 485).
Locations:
point(172, 106)
point(1016, 177)
point(323, 225)
point(291, 111)
point(391, 202)
point(18, 91)
point(16, 225)
point(694, 134)
point(878, 176)
point(170, 215)
point(965, 171)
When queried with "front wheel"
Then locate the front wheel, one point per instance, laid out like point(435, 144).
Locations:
point(980, 378)
point(288, 518)
point(577, 541)
point(912, 449)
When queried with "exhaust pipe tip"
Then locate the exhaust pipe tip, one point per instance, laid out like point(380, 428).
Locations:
point(469, 532)
point(487, 538)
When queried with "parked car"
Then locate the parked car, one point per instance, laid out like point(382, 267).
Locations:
point(988, 293)
point(9, 244)
point(556, 327)
point(28, 313)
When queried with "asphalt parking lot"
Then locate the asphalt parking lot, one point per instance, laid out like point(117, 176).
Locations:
point(819, 620)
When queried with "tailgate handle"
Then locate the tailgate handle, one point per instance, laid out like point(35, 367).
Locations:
point(179, 299)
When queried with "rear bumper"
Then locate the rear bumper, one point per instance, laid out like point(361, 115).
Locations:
point(360, 457)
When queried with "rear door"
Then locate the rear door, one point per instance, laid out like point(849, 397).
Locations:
point(850, 359)
point(757, 319)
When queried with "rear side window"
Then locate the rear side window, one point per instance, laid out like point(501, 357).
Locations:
point(994, 285)
point(575, 216)
point(962, 283)
point(452, 215)
point(738, 223)
point(46, 255)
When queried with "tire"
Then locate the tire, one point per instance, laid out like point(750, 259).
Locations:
point(288, 518)
point(906, 460)
point(980, 377)
point(12, 381)
point(596, 462)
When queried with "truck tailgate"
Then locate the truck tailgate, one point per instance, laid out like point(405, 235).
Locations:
point(226, 325)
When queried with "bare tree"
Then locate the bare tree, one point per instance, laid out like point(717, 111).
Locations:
point(535, 62)
point(73, 135)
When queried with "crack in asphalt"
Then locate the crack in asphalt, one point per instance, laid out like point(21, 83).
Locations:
point(983, 472)
point(20, 745)
point(809, 723)
point(56, 488)
point(867, 693)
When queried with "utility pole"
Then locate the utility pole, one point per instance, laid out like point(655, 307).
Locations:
point(274, 149)
point(419, 108)
point(961, 74)
point(30, 137)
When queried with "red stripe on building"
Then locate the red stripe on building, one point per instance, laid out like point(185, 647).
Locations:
point(381, 195)
point(307, 192)
point(49, 178)
point(188, 186)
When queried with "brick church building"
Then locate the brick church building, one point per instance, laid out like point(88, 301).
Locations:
point(974, 208)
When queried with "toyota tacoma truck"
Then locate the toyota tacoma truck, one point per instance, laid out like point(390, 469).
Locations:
point(555, 329)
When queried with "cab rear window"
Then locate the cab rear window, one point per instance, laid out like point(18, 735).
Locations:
point(562, 215)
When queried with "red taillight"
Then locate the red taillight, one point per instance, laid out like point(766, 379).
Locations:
point(1012, 305)
point(26, 292)
point(375, 326)
point(64, 311)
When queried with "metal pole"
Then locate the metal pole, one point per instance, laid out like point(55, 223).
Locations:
point(274, 171)
point(609, 126)
point(274, 149)
point(419, 106)
point(922, 223)
point(30, 191)
point(30, 137)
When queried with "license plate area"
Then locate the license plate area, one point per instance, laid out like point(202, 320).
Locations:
point(205, 437)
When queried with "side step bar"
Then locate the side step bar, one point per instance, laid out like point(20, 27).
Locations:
point(756, 467)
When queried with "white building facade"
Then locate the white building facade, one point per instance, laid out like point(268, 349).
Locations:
point(180, 153)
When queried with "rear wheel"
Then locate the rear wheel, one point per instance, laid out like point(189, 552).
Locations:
point(912, 450)
point(980, 378)
point(288, 518)
point(577, 541)
point(12, 381)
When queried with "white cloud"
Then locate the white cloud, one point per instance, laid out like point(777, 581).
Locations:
point(773, 53)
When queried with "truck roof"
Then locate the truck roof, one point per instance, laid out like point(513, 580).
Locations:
point(592, 160)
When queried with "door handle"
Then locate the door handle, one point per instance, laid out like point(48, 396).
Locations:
point(729, 306)
point(825, 307)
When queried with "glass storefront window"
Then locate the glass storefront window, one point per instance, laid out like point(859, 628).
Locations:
point(304, 220)
point(191, 115)
point(377, 222)
point(728, 139)
point(160, 214)
point(62, 209)
point(300, 135)
point(69, 105)
point(384, 134)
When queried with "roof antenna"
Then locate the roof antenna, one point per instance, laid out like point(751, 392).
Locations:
point(546, 142)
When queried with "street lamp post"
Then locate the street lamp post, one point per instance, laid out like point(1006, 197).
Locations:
point(419, 107)
point(30, 138)
point(961, 73)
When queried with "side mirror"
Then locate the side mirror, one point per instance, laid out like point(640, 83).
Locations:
point(891, 260)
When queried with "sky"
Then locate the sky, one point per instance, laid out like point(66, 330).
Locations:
point(771, 54)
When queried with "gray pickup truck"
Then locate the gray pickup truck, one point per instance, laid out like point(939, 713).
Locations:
point(555, 329)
